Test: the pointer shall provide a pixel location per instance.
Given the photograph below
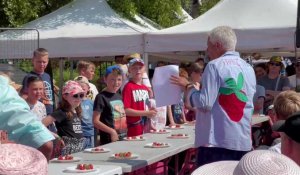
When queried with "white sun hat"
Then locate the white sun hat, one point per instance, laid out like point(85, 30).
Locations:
point(258, 162)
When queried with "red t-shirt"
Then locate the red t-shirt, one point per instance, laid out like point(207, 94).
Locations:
point(134, 97)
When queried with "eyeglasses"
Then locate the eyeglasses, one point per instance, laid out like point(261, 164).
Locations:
point(78, 96)
point(275, 64)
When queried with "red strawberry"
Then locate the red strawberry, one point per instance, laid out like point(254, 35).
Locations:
point(128, 154)
point(80, 166)
point(233, 99)
point(91, 166)
point(60, 157)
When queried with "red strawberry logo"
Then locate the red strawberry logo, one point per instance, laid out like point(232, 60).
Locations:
point(233, 99)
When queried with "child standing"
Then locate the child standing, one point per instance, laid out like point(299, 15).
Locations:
point(135, 96)
point(35, 90)
point(109, 114)
point(87, 69)
point(68, 118)
point(40, 61)
point(87, 112)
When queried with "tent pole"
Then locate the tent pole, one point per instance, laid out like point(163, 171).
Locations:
point(146, 60)
point(61, 77)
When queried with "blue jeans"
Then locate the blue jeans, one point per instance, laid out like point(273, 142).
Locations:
point(214, 154)
point(89, 142)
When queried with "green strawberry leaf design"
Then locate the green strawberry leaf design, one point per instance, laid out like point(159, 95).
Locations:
point(240, 81)
point(233, 87)
point(226, 91)
point(241, 96)
point(230, 82)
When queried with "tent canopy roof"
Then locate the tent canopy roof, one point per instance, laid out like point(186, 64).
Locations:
point(259, 25)
point(84, 28)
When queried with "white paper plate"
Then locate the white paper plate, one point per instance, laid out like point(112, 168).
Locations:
point(158, 132)
point(173, 127)
point(91, 150)
point(133, 156)
point(73, 169)
point(177, 137)
point(75, 159)
point(136, 139)
point(150, 145)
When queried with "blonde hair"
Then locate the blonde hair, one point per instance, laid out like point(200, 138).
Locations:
point(40, 51)
point(127, 58)
point(84, 65)
point(286, 103)
point(195, 67)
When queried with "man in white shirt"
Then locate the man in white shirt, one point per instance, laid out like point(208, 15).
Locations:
point(225, 101)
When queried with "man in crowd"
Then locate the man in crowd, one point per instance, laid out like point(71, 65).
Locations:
point(224, 103)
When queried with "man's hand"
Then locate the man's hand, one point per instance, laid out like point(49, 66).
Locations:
point(180, 81)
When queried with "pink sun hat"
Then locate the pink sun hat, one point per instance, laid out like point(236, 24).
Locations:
point(72, 87)
point(258, 162)
point(18, 159)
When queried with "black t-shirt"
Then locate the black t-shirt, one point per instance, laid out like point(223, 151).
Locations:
point(67, 127)
point(111, 107)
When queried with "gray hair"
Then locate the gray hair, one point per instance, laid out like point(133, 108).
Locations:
point(225, 36)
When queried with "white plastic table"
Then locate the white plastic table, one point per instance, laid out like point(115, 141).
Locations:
point(147, 156)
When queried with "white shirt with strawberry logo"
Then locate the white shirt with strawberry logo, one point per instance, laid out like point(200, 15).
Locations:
point(225, 103)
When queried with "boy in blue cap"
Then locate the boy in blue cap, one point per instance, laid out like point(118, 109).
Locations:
point(109, 115)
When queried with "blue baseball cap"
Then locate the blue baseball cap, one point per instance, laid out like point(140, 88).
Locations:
point(110, 69)
point(136, 60)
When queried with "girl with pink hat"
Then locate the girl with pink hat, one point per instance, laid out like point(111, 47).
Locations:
point(67, 118)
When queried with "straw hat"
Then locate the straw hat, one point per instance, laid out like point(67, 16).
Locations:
point(20, 159)
point(258, 162)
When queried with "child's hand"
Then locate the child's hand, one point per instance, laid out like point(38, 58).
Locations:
point(62, 143)
point(151, 113)
point(114, 136)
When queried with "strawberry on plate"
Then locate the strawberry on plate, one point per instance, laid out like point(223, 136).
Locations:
point(134, 138)
point(81, 168)
point(178, 136)
point(97, 150)
point(124, 155)
point(66, 159)
point(157, 145)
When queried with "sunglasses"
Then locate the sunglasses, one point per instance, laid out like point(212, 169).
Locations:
point(275, 64)
point(78, 96)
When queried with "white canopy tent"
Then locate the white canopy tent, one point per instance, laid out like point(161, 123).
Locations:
point(82, 28)
point(260, 25)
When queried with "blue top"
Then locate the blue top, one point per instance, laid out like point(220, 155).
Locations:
point(16, 118)
point(225, 103)
point(87, 117)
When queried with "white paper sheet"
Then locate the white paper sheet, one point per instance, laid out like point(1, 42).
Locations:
point(166, 93)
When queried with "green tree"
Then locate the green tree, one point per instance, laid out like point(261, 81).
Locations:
point(15, 13)
point(206, 5)
point(166, 13)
